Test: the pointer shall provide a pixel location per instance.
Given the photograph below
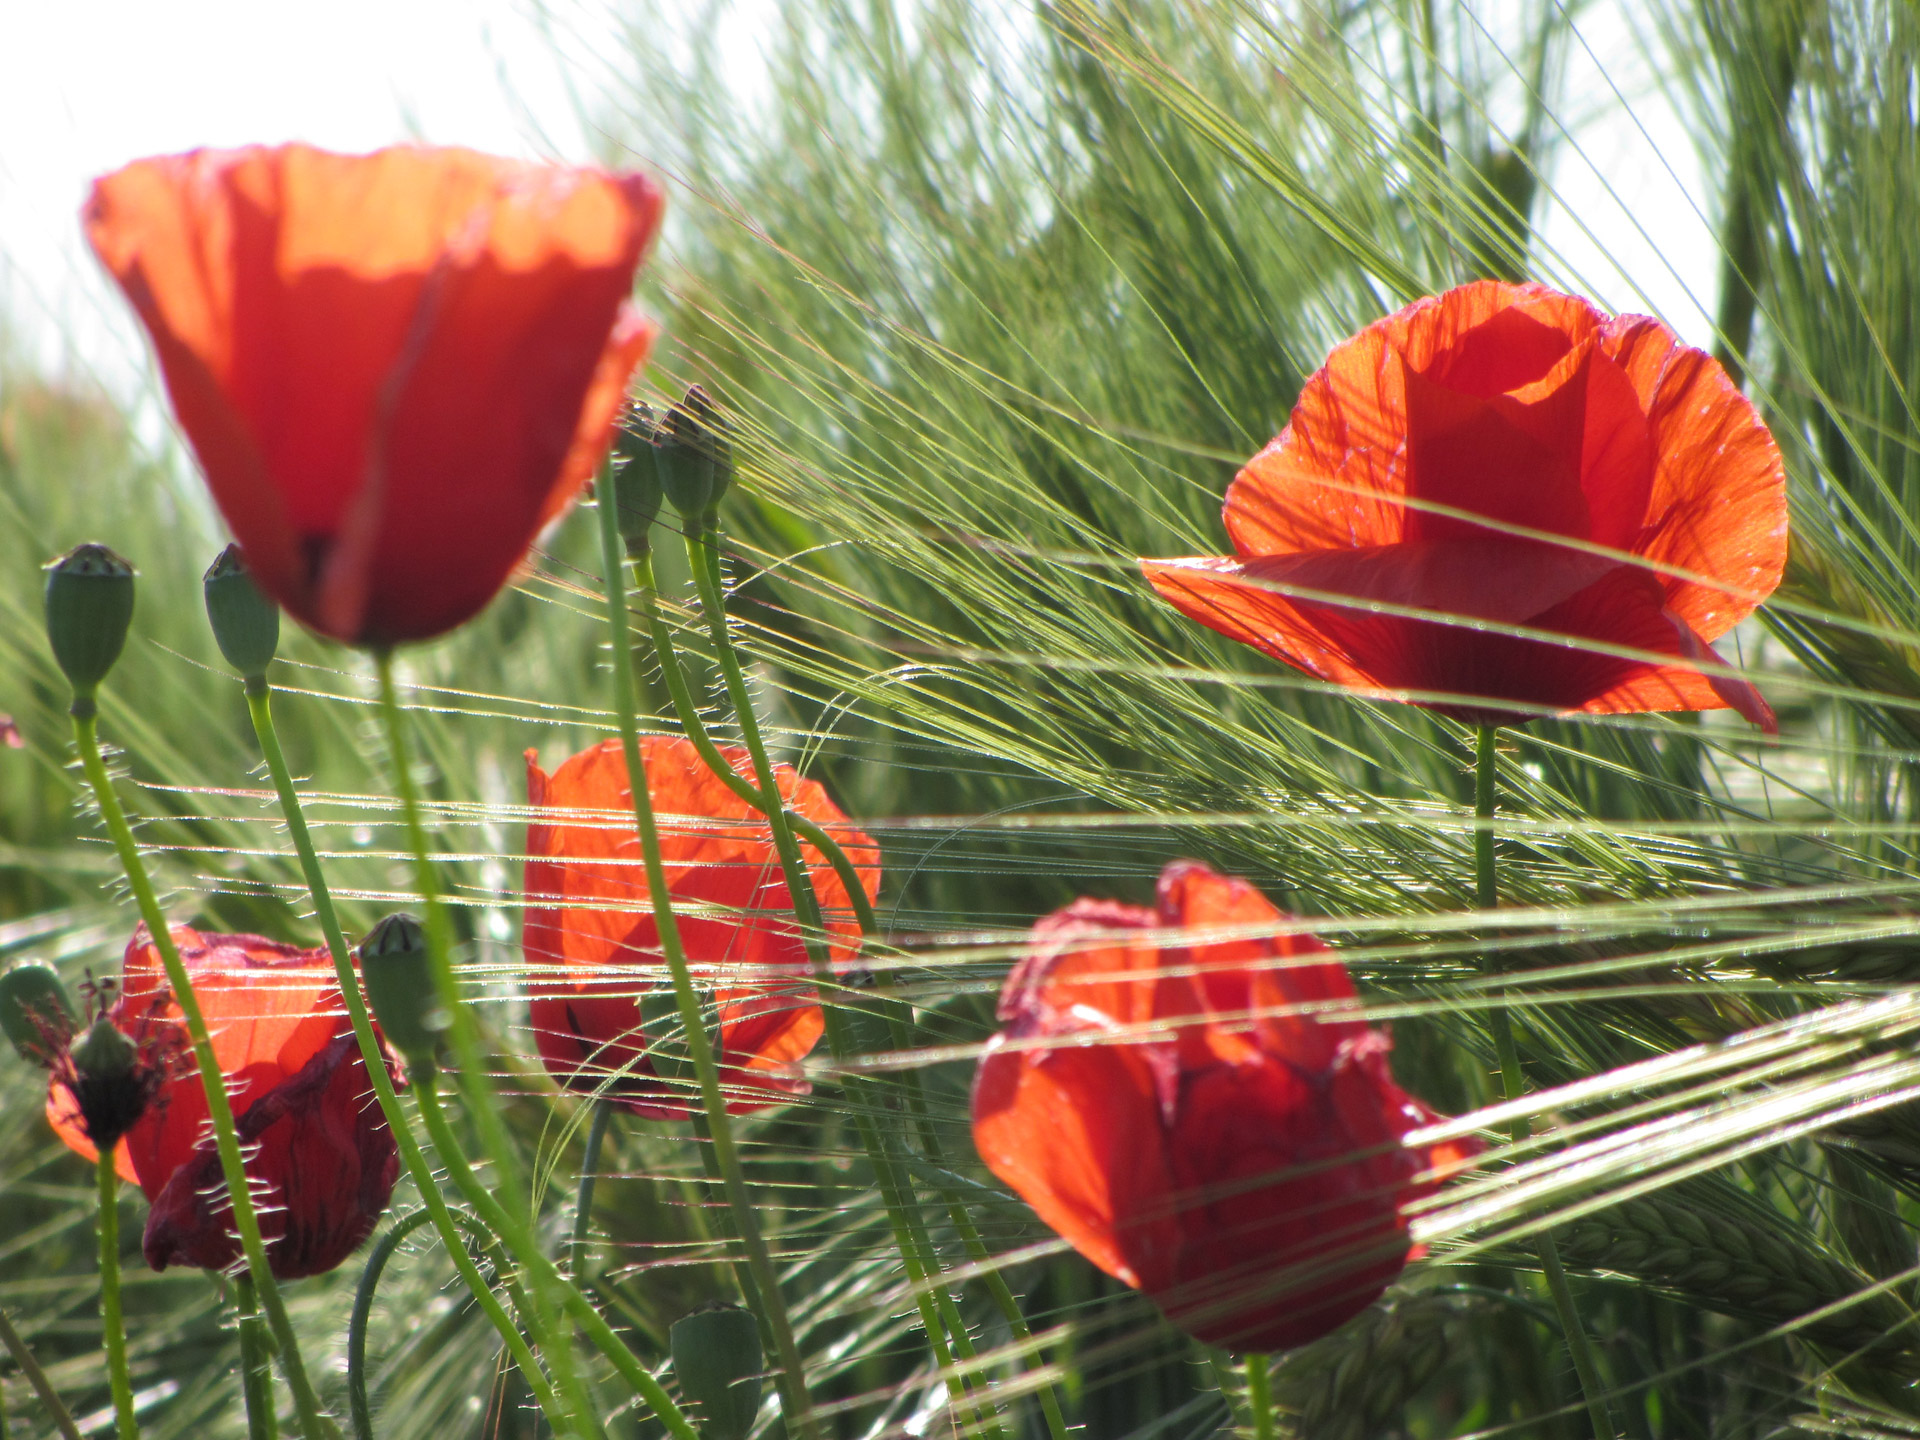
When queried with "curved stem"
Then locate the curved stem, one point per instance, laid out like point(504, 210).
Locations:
point(259, 706)
point(49, 1397)
point(256, 1361)
point(589, 1173)
point(363, 1294)
point(1260, 1397)
point(115, 1332)
point(1487, 892)
point(766, 1282)
point(313, 1425)
point(475, 1086)
point(542, 1270)
point(916, 1250)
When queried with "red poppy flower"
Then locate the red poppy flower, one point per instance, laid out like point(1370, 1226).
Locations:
point(1533, 411)
point(1204, 1118)
point(320, 1158)
point(395, 368)
point(592, 948)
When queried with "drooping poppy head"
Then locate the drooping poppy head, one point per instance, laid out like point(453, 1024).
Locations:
point(1440, 463)
point(1187, 1095)
point(319, 1155)
point(395, 369)
point(593, 951)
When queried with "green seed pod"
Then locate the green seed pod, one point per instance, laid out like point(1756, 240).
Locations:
point(245, 622)
point(111, 1086)
point(637, 493)
point(401, 992)
point(34, 1011)
point(694, 459)
point(716, 1355)
point(89, 607)
point(103, 1053)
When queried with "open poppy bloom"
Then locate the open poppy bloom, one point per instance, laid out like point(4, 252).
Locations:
point(1203, 1118)
point(1522, 417)
point(396, 369)
point(593, 952)
point(319, 1156)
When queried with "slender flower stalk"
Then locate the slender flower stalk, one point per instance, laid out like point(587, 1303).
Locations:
point(260, 707)
point(1487, 895)
point(125, 1425)
point(36, 1377)
point(916, 1249)
point(765, 1282)
point(1260, 1397)
point(256, 1373)
point(313, 1425)
point(589, 1173)
point(695, 728)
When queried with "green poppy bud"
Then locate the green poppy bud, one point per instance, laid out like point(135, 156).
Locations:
point(716, 1356)
point(694, 459)
point(636, 477)
point(34, 1011)
point(245, 622)
point(89, 607)
point(401, 992)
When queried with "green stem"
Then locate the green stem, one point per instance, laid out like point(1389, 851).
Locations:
point(850, 879)
point(260, 707)
point(1487, 888)
point(1259, 1397)
point(256, 1374)
point(542, 1270)
point(36, 1377)
point(313, 1425)
point(476, 1088)
point(110, 1323)
point(795, 1402)
point(916, 1250)
point(603, 1109)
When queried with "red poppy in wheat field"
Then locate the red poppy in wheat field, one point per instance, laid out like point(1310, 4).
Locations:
point(593, 952)
point(395, 368)
point(320, 1158)
point(1205, 1119)
point(1530, 411)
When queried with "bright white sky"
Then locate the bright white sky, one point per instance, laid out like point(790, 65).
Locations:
point(86, 85)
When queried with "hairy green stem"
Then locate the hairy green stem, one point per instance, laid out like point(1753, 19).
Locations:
point(260, 707)
point(603, 1109)
point(313, 1425)
point(795, 1402)
point(1260, 1397)
point(36, 1377)
point(916, 1249)
point(1487, 894)
point(475, 1084)
point(540, 1269)
point(256, 1364)
point(125, 1425)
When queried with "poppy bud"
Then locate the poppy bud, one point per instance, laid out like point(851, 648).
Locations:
point(695, 461)
point(636, 477)
point(109, 1083)
point(89, 606)
point(400, 988)
point(716, 1355)
point(245, 622)
point(34, 1012)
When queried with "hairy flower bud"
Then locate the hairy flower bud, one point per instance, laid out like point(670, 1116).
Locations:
point(400, 990)
point(717, 1359)
point(635, 486)
point(89, 603)
point(34, 1012)
point(245, 622)
point(694, 459)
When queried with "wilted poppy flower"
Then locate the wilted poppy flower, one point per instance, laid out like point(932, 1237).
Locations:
point(593, 951)
point(1534, 412)
point(320, 1158)
point(1203, 1118)
point(395, 368)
